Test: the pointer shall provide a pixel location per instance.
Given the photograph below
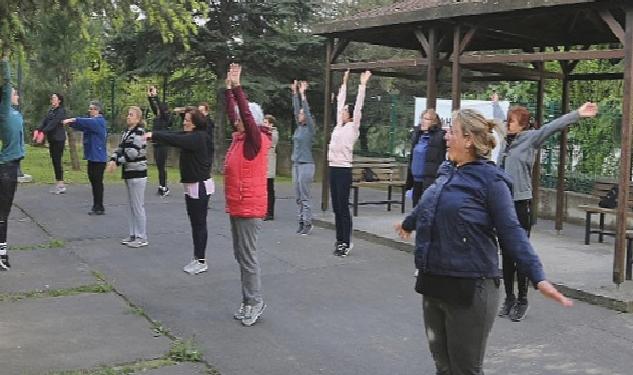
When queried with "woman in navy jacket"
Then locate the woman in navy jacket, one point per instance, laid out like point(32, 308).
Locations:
point(458, 223)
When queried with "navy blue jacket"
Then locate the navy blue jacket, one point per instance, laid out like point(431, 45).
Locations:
point(459, 219)
point(95, 136)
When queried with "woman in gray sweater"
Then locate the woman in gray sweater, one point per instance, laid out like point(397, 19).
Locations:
point(516, 157)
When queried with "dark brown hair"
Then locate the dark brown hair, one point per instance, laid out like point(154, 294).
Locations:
point(521, 114)
point(270, 119)
point(198, 119)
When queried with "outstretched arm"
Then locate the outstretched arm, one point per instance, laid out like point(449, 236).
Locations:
point(253, 137)
point(340, 100)
point(296, 106)
point(360, 98)
point(303, 87)
point(540, 135)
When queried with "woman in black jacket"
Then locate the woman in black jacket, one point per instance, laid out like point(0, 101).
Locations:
point(56, 135)
point(196, 147)
point(428, 151)
point(162, 121)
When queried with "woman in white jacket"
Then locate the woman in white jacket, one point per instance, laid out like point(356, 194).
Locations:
point(340, 156)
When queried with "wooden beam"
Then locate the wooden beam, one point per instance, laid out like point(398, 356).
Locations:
point(542, 56)
point(619, 257)
point(467, 39)
point(497, 78)
point(338, 49)
point(424, 42)
point(613, 24)
point(562, 158)
point(431, 72)
point(381, 64)
point(536, 169)
point(327, 119)
point(456, 76)
point(596, 76)
point(516, 71)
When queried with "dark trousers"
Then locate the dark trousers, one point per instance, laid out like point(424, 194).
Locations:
point(8, 185)
point(271, 197)
point(340, 184)
point(418, 189)
point(95, 176)
point(56, 151)
point(197, 212)
point(523, 209)
point(160, 157)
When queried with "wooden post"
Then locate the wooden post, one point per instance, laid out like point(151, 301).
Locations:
point(625, 156)
point(431, 73)
point(562, 155)
point(536, 171)
point(327, 118)
point(456, 87)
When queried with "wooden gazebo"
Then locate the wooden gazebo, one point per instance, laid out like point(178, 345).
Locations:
point(477, 35)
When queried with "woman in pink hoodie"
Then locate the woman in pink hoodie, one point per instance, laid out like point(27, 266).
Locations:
point(340, 156)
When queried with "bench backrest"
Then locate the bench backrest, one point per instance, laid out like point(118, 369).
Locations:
point(602, 187)
point(384, 168)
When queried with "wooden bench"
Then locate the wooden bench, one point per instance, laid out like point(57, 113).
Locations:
point(600, 189)
point(388, 172)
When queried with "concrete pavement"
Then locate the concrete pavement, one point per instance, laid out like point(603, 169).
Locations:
point(326, 315)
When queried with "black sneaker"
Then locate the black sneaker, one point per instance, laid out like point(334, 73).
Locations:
point(338, 248)
point(519, 311)
point(345, 249)
point(4, 262)
point(97, 212)
point(300, 229)
point(507, 306)
point(269, 218)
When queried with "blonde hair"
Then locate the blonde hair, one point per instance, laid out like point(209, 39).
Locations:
point(437, 121)
point(478, 128)
point(138, 111)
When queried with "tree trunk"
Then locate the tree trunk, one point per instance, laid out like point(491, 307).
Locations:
point(220, 117)
point(72, 147)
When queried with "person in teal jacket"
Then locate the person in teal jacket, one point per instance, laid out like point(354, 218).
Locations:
point(95, 152)
point(12, 151)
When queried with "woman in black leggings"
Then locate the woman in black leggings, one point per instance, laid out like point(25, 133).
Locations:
point(56, 135)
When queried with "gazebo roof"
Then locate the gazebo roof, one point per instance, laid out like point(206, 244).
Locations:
point(501, 24)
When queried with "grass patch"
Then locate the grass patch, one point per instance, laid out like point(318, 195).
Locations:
point(91, 288)
point(184, 351)
point(121, 370)
point(52, 244)
point(38, 164)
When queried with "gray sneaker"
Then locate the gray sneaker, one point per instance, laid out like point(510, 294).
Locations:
point(57, 190)
point(345, 249)
point(239, 314)
point(307, 229)
point(127, 240)
point(252, 313)
point(195, 267)
point(139, 242)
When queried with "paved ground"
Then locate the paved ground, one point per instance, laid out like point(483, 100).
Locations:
point(326, 315)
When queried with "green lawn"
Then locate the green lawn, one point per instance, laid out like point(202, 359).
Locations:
point(38, 164)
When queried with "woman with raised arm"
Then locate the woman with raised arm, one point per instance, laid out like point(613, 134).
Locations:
point(246, 191)
point(516, 157)
point(55, 132)
point(340, 157)
point(162, 121)
point(195, 144)
point(95, 152)
point(458, 223)
point(131, 155)
point(12, 151)
point(302, 160)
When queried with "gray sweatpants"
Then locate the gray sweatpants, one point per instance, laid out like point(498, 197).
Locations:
point(245, 231)
point(302, 177)
point(457, 335)
point(136, 197)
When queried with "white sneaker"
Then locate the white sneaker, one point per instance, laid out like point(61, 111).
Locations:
point(139, 242)
point(195, 267)
point(416, 272)
point(127, 240)
point(239, 314)
point(252, 313)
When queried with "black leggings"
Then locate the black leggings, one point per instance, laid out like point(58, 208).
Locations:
point(197, 212)
point(56, 150)
point(340, 184)
point(8, 185)
point(523, 209)
point(271, 197)
point(95, 175)
point(160, 158)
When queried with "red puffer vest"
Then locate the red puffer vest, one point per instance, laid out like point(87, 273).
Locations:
point(245, 184)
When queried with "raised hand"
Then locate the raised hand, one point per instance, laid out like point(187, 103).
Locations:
point(345, 76)
point(588, 109)
point(293, 87)
point(235, 73)
point(303, 86)
point(549, 291)
point(228, 82)
point(148, 135)
point(364, 77)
